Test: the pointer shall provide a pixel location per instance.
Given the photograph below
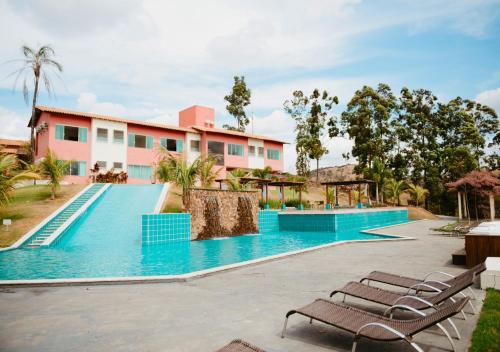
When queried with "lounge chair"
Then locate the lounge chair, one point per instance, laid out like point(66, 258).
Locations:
point(239, 346)
point(389, 298)
point(408, 282)
point(374, 326)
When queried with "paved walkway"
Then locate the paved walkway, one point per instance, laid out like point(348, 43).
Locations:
point(206, 313)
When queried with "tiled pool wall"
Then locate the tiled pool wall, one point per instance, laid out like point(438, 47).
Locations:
point(341, 222)
point(268, 221)
point(307, 222)
point(170, 227)
point(369, 220)
point(166, 227)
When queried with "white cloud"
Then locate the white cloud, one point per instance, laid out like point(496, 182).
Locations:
point(13, 125)
point(490, 98)
point(88, 102)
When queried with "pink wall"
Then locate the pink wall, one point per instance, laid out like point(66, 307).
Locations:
point(231, 161)
point(197, 116)
point(42, 138)
point(65, 150)
point(144, 156)
point(275, 164)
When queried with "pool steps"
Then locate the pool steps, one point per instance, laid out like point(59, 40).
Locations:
point(66, 216)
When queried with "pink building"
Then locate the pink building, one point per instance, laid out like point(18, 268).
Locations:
point(132, 146)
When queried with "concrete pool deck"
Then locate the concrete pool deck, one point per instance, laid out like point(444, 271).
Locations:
point(204, 314)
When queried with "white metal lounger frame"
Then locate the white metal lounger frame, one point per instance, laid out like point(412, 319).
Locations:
point(426, 284)
point(429, 304)
point(452, 276)
point(399, 334)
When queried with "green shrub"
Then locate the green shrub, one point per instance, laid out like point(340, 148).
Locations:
point(273, 204)
point(295, 203)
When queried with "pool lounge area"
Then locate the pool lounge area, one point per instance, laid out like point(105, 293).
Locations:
point(106, 242)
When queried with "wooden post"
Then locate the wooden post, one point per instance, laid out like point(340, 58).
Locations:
point(267, 193)
point(459, 196)
point(350, 197)
point(282, 194)
point(367, 193)
point(336, 196)
point(359, 194)
point(326, 198)
point(300, 195)
point(492, 207)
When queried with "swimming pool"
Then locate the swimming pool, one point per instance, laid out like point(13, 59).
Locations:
point(106, 242)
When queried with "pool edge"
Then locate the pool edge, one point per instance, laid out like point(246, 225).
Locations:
point(195, 274)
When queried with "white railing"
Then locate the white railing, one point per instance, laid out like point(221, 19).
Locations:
point(48, 241)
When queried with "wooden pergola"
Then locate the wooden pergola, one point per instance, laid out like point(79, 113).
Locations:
point(282, 185)
point(264, 183)
point(335, 185)
point(259, 182)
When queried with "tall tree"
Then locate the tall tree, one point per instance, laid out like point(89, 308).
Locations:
point(367, 121)
point(313, 120)
point(420, 130)
point(39, 62)
point(237, 101)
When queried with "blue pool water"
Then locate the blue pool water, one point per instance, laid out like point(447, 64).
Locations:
point(106, 242)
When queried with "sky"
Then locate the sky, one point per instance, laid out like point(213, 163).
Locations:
point(147, 60)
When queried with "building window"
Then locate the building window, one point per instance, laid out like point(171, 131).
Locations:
point(117, 166)
point(235, 149)
point(172, 145)
point(195, 146)
point(77, 168)
point(140, 141)
point(261, 152)
point(273, 154)
point(139, 171)
point(102, 135)
point(71, 133)
point(217, 150)
point(102, 165)
point(118, 137)
point(251, 150)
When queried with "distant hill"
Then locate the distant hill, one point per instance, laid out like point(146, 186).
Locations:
point(334, 173)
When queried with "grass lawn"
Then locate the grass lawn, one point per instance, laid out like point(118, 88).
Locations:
point(486, 336)
point(28, 207)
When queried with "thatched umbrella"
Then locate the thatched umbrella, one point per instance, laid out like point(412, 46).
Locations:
point(481, 183)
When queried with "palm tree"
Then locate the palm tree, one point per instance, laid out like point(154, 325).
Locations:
point(233, 180)
point(178, 170)
point(39, 61)
point(54, 170)
point(418, 193)
point(264, 173)
point(206, 173)
point(10, 174)
point(393, 189)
